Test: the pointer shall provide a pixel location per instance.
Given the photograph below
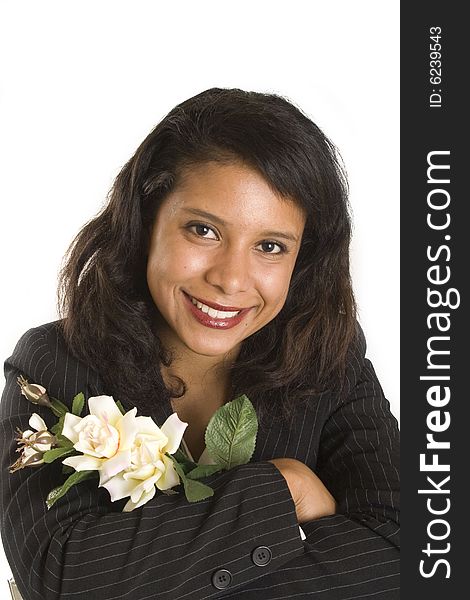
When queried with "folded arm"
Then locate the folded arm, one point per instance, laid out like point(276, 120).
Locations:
point(85, 547)
point(355, 552)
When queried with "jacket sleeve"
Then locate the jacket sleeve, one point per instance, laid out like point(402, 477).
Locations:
point(354, 553)
point(85, 547)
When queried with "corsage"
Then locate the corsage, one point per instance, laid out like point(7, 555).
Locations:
point(131, 454)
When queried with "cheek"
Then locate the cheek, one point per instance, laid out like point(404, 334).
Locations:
point(171, 263)
point(273, 287)
point(185, 262)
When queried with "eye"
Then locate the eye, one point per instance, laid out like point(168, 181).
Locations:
point(202, 230)
point(269, 247)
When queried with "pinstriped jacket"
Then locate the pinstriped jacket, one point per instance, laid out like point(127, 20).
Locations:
point(244, 541)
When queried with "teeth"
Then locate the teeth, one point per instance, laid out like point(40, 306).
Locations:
point(215, 314)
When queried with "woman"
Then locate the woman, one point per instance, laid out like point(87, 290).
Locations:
point(218, 267)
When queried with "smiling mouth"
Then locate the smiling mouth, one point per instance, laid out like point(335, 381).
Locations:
point(212, 312)
point(213, 315)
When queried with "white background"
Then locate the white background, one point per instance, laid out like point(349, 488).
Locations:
point(83, 82)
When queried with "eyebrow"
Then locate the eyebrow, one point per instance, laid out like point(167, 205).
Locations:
point(219, 221)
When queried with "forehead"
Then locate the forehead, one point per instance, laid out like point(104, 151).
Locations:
point(235, 192)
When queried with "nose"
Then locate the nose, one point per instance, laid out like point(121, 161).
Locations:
point(230, 271)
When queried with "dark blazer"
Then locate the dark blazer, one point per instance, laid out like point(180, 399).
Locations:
point(241, 543)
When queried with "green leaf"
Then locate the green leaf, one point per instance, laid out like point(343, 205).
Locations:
point(77, 404)
point(231, 433)
point(181, 456)
point(183, 461)
point(66, 469)
point(60, 491)
point(178, 468)
point(203, 471)
point(121, 407)
point(57, 428)
point(63, 442)
point(58, 408)
point(195, 490)
point(52, 455)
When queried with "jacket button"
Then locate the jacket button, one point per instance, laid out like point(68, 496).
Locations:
point(221, 579)
point(261, 556)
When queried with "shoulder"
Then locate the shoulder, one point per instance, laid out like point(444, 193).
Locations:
point(40, 349)
point(37, 336)
point(355, 361)
point(42, 356)
point(36, 350)
point(354, 366)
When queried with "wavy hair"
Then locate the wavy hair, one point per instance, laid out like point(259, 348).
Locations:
point(107, 312)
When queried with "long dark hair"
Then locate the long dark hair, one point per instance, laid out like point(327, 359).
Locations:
point(108, 313)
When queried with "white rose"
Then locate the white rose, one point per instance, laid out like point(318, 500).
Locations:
point(149, 466)
point(105, 437)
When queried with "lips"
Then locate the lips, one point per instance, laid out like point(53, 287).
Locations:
point(216, 306)
point(216, 321)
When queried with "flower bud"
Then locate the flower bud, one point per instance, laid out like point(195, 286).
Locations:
point(45, 437)
point(33, 392)
point(33, 444)
point(27, 460)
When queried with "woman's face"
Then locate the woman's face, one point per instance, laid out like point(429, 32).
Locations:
point(222, 252)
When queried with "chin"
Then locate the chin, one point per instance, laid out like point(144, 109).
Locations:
point(210, 351)
point(210, 348)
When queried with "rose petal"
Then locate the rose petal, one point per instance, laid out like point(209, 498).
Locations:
point(127, 428)
point(96, 438)
point(146, 496)
point(83, 462)
point(118, 487)
point(142, 473)
point(169, 477)
point(105, 409)
point(70, 422)
point(144, 487)
point(146, 426)
point(174, 429)
point(37, 422)
point(119, 462)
